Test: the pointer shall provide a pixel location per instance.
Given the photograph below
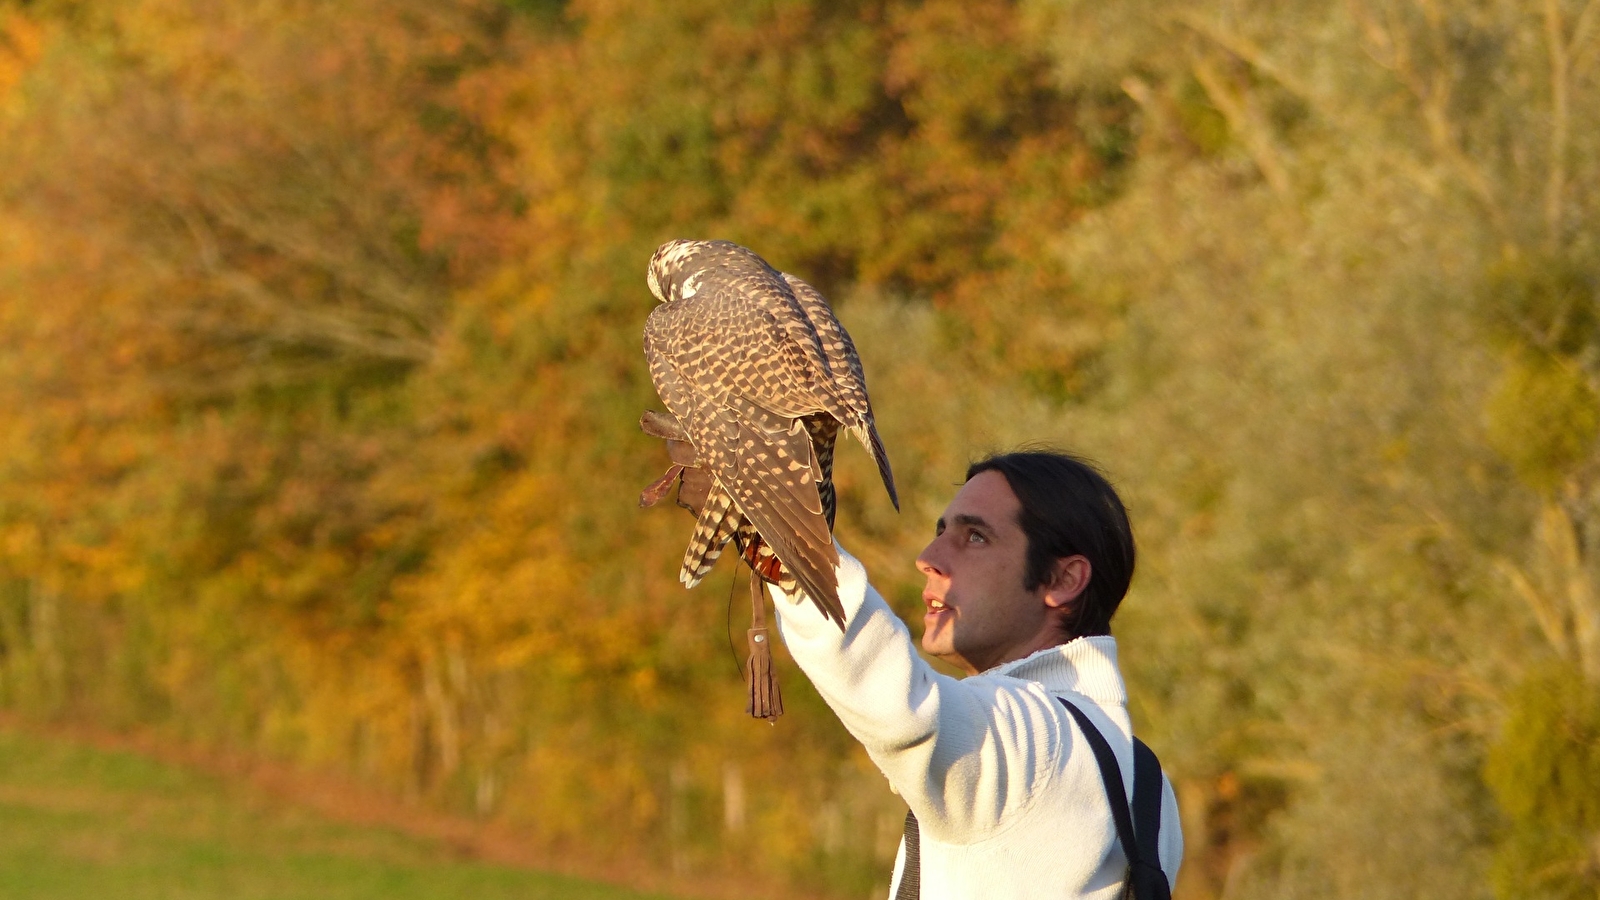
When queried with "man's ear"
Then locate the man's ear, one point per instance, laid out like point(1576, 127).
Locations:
point(1068, 580)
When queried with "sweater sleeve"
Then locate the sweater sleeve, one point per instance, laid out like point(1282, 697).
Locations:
point(967, 755)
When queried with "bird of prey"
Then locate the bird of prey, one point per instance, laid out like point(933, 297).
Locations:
point(760, 377)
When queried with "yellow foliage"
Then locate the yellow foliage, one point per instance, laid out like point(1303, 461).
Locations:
point(22, 42)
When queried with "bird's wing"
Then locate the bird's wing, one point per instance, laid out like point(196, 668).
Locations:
point(841, 362)
point(849, 381)
point(774, 484)
point(824, 431)
point(725, 366)
point(788, 370)
point(661, 340)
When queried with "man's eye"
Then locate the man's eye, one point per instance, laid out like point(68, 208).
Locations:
point(975, 538)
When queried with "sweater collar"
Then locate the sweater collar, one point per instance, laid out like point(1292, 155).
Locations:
point(1086, 666)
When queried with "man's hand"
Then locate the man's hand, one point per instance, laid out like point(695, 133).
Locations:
point(694, 483)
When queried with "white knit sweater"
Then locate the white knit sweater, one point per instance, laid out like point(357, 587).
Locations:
point(1006, 790)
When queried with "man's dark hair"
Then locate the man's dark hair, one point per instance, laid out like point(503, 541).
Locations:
point(1068, 509)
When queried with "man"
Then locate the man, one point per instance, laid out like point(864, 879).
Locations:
point(1027, 566)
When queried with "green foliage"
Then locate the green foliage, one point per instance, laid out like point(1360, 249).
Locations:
point(1543, 417)
point(1544, 769)
point(1543, 302)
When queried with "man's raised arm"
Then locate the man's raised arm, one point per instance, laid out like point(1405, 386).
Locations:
point(964, 754)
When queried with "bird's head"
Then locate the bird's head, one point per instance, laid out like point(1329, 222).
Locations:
point(668, 270)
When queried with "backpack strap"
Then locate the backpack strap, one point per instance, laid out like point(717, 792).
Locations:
point(1145, 877)
point(1148, 878)
point(911, 871)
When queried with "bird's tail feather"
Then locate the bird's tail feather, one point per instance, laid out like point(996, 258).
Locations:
point(867, 433)
point(715, 526)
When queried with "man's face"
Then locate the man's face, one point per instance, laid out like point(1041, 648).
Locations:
point(978, 614)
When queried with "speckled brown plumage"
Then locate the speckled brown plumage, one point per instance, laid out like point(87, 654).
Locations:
point(761, 377)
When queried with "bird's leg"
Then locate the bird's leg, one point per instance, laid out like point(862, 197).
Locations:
point(768, 567)
point(766, 701)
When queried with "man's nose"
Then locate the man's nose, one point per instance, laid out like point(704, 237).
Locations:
point(928, 562)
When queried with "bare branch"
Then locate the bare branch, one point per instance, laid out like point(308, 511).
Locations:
point(297, 323)
point(1559, 537)
point(389, 319)
point(1544, 612)
point(1160, 118)
point(1556, 184)
point(1247, 50)
point(1247, 123)
point(1432, 92)
point(288, 236)
point(1581, 48)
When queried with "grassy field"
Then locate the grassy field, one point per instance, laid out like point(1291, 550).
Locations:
point(77, 822)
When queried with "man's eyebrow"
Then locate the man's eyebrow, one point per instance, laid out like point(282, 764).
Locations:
point(964, 519)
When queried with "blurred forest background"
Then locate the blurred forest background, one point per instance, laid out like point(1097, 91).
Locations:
point(320, 370)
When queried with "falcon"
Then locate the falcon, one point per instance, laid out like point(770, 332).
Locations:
point(760, 378)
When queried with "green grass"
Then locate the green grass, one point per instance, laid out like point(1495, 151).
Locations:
point(77, 822)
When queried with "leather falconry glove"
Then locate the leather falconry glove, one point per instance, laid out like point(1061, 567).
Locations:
point(694, 483)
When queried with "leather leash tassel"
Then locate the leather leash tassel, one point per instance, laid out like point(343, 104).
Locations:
point(766, 701)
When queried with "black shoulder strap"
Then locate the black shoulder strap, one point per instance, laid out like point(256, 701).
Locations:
point(1144, 870)
point(911, 871)
point(1148, 878)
